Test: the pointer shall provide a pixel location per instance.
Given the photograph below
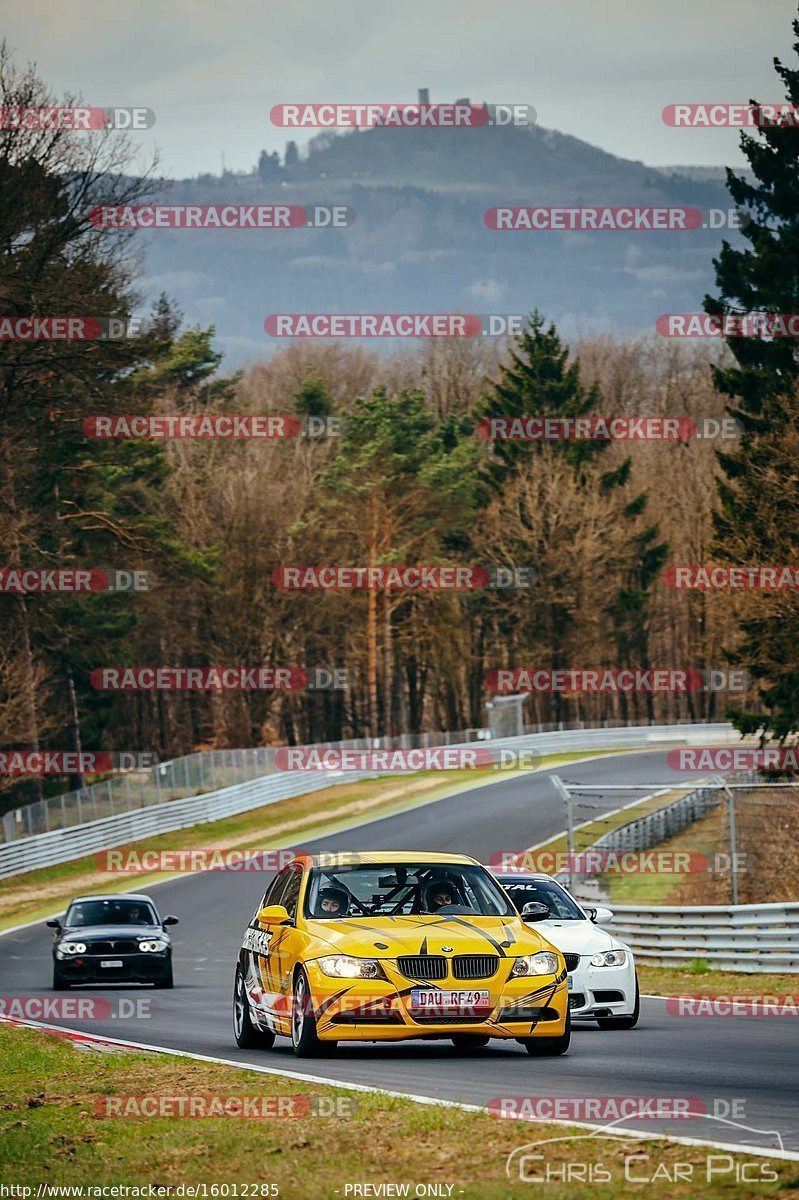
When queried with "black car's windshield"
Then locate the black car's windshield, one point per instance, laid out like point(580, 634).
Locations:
point(542, 891)
point(404, 889)
point(110, 912)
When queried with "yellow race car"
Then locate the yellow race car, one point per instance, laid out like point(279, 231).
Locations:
point(389, 946)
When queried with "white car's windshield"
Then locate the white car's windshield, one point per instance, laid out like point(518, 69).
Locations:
point(542, 891)
point(404, 889)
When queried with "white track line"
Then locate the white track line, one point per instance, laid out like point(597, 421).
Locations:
point(788, 1155)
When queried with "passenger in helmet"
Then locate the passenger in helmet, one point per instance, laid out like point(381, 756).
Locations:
point(332, 903)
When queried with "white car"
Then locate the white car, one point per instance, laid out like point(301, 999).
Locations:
point(603, 985)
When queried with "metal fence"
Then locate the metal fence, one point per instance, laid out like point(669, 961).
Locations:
point(752, 938)
point(648, 830)
point(264, 785)
point(190, 775)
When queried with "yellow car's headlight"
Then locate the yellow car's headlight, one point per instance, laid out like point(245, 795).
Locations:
point(543, 963)
point(343, 966)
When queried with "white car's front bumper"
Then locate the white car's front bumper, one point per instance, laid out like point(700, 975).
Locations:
point(601, 991)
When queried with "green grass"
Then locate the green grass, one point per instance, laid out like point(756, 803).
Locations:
point(700, 978)
point(50, 1134)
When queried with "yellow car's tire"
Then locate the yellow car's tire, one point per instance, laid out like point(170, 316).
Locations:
point(304, 1038)
point(247, 1035)
point(470, 1041)
point(549, 1046)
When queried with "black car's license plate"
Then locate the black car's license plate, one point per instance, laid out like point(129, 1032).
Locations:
point(111, 962)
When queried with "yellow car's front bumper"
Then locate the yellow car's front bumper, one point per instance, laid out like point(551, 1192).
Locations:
point(382, 1009)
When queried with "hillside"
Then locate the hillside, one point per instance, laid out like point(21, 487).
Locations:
point(418, 242)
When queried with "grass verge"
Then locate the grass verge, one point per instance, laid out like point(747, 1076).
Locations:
point(51, 1134)
point(672, 981)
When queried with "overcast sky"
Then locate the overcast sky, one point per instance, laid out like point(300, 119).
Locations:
point(601, 70)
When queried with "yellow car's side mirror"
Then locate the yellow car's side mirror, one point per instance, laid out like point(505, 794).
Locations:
point(274, 914)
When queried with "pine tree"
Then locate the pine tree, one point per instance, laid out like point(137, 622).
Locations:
point(540, 381)
point(758, 521)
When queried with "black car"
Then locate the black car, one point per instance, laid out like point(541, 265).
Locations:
point(108, 939)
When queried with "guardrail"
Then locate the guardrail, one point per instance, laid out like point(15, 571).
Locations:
point(654, 827)
point(752, 938)
point(117, 829)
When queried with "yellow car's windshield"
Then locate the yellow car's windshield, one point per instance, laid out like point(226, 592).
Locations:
point(404, 889)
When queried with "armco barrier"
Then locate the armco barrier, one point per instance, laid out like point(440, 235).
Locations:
point(738, 937)
point(76, 841)
point(655, 827)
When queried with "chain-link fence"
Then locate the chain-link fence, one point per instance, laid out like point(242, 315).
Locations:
point(190, 775)
point(732, 840)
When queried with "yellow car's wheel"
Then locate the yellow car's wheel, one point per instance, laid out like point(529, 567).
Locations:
point(304, 1037)
point(247, 1035)
point(549, 1046)
point(470, 1041)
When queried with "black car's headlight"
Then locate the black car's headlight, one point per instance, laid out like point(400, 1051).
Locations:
point(610, 958)
point(67, 949)
point(154, 946)
point(543, 963)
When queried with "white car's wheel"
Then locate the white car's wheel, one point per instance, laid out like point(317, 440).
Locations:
point(629, 1021)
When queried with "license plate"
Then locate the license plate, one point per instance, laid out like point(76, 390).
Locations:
point(427, 1000)
point(111, 962)
point(571, 983)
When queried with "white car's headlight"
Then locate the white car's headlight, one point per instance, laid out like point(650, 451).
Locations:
point(72, 948)
point(342, 966)
point(610, 958)
point(153, 947)
point(543, 963)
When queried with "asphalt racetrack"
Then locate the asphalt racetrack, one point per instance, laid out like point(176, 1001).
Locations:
point(721, 1061)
